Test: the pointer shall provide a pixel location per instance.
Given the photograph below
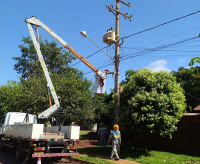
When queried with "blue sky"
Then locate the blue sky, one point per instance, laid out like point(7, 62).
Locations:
point(68, 17)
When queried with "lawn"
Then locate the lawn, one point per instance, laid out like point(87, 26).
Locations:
point(133, 154)
point(152, 157)
point(94, 154)
point(155, 156)
point(93, 159)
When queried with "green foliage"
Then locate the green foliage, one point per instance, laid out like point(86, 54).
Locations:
point(152, 102)
point(74, 90)
point(10, 97)
point(189, 80)
point(75, 96)
point(194, 60)
point(56, 58)
point(128, 75)
point(103, 108)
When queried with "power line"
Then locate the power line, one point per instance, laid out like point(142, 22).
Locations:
point(88, 56)
point(14, 12)
point(140, 48)
point(74, 19)
point(174, 35)
point(161, 25)
point(125, 57)
point(157, 48)
point(109, 63)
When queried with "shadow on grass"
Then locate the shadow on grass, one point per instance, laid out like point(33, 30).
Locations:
point(88, 136)
point(126, 152)
point(129, 153)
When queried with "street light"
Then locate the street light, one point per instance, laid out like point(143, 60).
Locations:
point(84, 34)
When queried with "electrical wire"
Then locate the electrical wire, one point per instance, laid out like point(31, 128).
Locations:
point(160, 25)
point(174, 35)
point(126, 57)
point(78, 15)
point(89, 56)
point(108, 64)
point(92, 14)
point(14, 12)
point(147, 49)
point(156, 48)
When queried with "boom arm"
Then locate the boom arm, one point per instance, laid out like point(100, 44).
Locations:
point(37, 22)
point(100, 76)
point(51, 110)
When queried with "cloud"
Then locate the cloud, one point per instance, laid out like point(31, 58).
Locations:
point(159, 65)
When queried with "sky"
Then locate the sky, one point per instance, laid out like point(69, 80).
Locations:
point(166, 47)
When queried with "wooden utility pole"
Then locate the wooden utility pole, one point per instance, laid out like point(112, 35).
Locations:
point(117, 94)
point(117, 73)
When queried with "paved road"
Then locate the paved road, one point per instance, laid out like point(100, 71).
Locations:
point(7, 157)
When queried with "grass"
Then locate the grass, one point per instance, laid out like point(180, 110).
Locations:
point(84, 132)
point(87, 135)
point(129, 153)
point(93, 159)
point(160, 157)
point(155, 156)
point(93, 154)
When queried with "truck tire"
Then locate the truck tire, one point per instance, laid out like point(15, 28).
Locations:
point(1, 145)
point(18, 153)
point(70, 159)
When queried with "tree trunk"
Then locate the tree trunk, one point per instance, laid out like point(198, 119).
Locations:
point(145, 141)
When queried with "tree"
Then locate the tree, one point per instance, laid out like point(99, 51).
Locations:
point(71, 86)
point(75, 96)
point(194, 60)
point(10, 97)
point(74, 91)
point(189, 79)
point(103, 107)
point(152, 102)
point(128, 74)
point(56, 59)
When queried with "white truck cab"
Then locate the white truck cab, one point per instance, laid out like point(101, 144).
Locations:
point(15, 118)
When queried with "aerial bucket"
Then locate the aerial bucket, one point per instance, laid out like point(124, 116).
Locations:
point(99, 85)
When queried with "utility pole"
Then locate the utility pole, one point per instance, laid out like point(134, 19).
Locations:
point(117, 73)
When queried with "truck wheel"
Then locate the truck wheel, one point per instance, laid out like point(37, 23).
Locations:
point(18, 153)
point(1, 145)
point(70, 159)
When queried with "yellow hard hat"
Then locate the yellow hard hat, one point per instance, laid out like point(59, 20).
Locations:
point(116, 127)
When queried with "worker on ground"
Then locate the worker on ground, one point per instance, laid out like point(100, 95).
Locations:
point(102, 135)
point(115, 136)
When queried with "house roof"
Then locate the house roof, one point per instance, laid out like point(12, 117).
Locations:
point(197, 108)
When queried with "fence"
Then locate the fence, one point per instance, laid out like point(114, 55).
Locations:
point(186, 139)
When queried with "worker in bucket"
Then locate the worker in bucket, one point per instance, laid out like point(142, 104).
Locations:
point(102, 135)
point(115, 136)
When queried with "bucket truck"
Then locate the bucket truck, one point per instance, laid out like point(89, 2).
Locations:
point(36, 140)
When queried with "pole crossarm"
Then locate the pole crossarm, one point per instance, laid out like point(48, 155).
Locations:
point(125, 15)
point(127, 4)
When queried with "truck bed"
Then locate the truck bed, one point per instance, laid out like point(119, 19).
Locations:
point(38, 131)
